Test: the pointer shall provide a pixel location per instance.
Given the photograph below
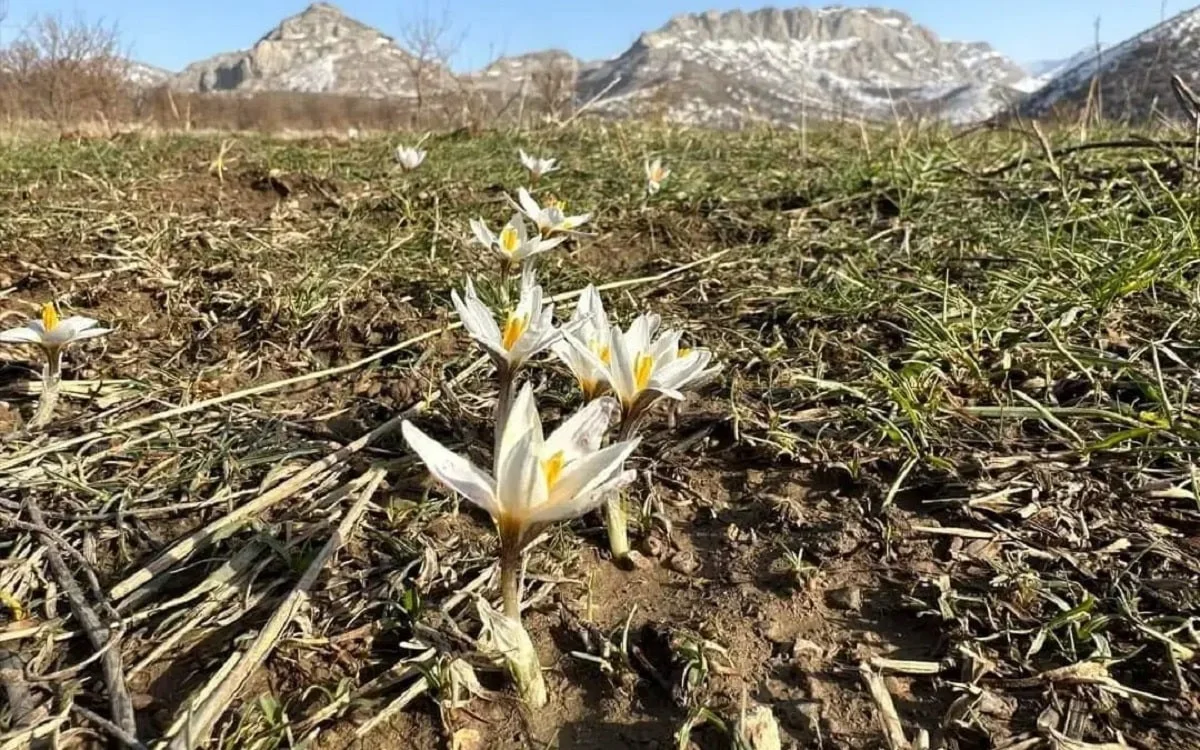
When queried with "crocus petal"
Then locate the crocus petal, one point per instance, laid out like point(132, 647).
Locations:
point(570, 356)
point(77, 323)
point(528, 204)
point(592, 306)
point(549, 244)
point(584, 431)
point(583, 477)
point(23, 335)
point(665, 348)
point(517, 222)
point(517, 479)
point(452, 470)
point(677, 374)
point(522, 418)
point(637, 336)
point(475, 316)
point(482, 233)
point(582, 503)
point(91, 333)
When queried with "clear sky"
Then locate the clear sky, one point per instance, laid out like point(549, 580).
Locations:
point(172, 33)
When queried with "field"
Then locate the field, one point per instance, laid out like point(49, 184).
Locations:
point(951, 454)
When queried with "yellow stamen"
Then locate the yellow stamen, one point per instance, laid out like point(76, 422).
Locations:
point(513, 329)
point(603, 351)
point(683, 352)
point(643, 368)
point(552, 467)
point(49, 316)
point(509, 239)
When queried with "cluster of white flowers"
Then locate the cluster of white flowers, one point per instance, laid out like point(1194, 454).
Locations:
point(537, 480)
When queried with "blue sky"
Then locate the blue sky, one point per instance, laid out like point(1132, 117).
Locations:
point(171, 33)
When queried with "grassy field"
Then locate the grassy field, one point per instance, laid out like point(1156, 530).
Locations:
point(951, 453)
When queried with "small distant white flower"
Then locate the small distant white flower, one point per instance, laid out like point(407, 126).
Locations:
point(549, 219)
point(53, 334)
point(528, 329)
point(538, 166)
point(513, 244)
point(535, 480)
point(409, 158)
point(641, 369)
point(656, 175)
point(591, 327)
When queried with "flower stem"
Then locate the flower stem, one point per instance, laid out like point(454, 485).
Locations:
point(614, 508)
point(618, 528)
point(504, 399)
point(510, 580)
point(51, 378)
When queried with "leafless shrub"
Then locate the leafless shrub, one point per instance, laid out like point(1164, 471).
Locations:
point(65, 71)
point(554, 86)
point(431, 42)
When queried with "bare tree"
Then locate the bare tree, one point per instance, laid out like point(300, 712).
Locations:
point(554, 85)
point(431, 42)
point(65, 71)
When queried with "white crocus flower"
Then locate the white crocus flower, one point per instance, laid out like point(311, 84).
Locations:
point(643, 369)
point(528, 329)
point(536, 480)
point(656, 175)
point(513, 244)
point(538, 166)
point(549, 219)
point(409, 158)
point(53, 334)
point(592, 329)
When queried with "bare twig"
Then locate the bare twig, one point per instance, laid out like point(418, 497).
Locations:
point(202, 717)
point(99, 635)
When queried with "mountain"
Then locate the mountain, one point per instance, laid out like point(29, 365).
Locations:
point(1042, 72)
point(318, 50)
point(777, 65)
point(143, 75)
point(530, 69)
point(1133, 78)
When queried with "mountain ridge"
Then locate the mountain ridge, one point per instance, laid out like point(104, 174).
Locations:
point(723, 68)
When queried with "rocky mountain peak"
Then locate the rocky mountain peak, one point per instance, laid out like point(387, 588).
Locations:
point(321, 23)
point(786, 24)
point(320, 49)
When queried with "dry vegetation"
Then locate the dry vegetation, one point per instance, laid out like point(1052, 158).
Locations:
point(952, 455)
point(72, 75)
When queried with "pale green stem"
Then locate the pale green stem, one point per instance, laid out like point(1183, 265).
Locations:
point(614, 507)
point(51, 378)
point(505, 272)
point(504, 399)
point(618, 528)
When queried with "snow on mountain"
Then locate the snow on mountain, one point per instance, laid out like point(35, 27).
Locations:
point(1133, 78)
point(143, 75)
point(1042, 72)
point(777, 65)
